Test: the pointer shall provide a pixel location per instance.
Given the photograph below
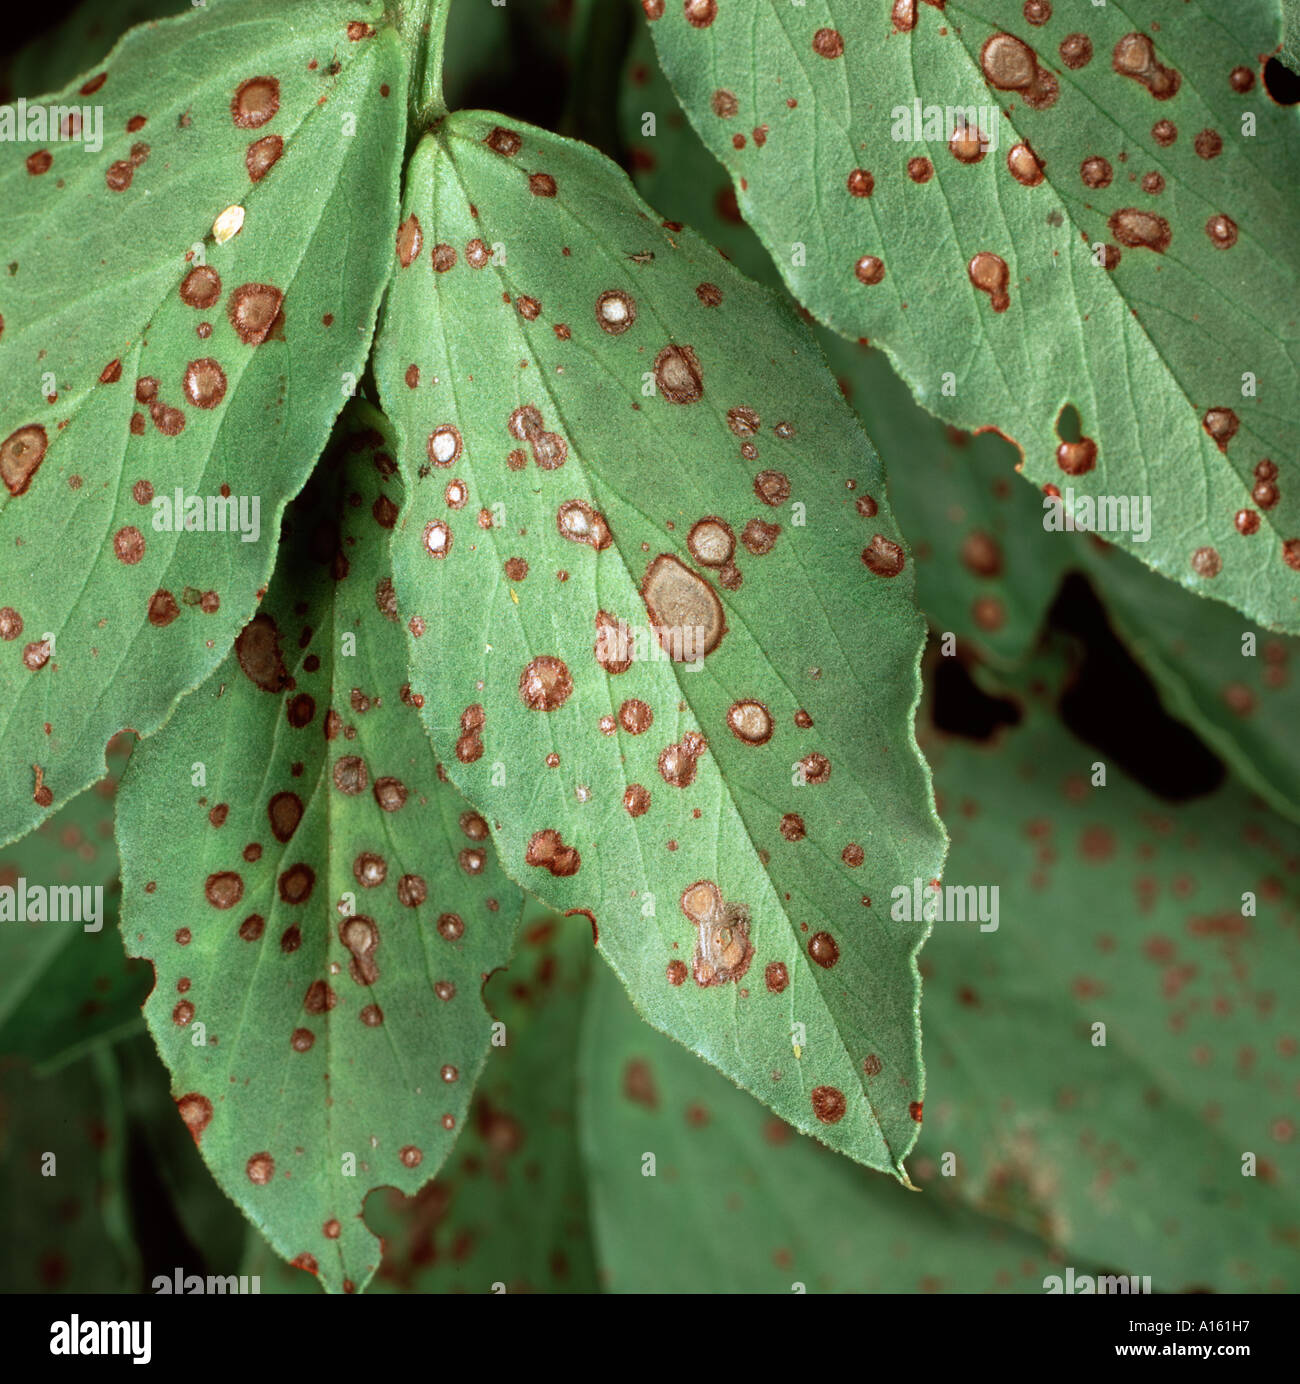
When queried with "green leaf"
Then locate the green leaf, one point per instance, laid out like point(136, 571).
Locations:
point(1122, 909)
point(570, 416)
point(61, 1179)
point(736, 1202)
point(1291, 34)
point(1155, 352)
point(985, 569)
point(510, 1207)
point(323, 906)
point(215, 1229)
point(994, 585)
point(64, 987)
point(103, 358)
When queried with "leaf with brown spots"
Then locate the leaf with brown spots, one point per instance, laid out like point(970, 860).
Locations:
point(985, 570)
point(740, 1202)
point(1173, 924)
point(143, 356)
point(320, 908)
point(64, 984)
point(685, 464)
point(1101, 222)
point(511, 1204)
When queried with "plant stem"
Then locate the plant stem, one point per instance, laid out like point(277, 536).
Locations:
point(423, 27)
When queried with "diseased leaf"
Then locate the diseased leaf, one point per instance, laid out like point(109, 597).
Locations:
point(143, 355)
point(1291, 34)
point(993, 587)
point(510, 1207)
point(64, 983)
point(739, 1203)
point(213, 1225)
point(974, 247)
point(61, 1180)
point(606, 429)
point(320, 908)
point(985, 569)
point(1171, 924)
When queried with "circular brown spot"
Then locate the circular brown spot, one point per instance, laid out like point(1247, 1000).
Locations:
point(262, 155)
point(828, 1104)
point(128, 545)
point(201, 287)
point(255, 102)
point(260, 1169)
point(412, 891)
point(224, 889)
point(351, 775)
point(545, 683)
point(1206, 562)
point(870, 269)
point(823, 949)
point(792, 827)
point(204, 383)
point(861, 183)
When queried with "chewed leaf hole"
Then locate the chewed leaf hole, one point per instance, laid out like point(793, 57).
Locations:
point(1069, 426)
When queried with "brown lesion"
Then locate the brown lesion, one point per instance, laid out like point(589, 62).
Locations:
point(723, 951)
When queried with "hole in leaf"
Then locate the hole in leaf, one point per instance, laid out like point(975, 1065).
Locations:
point(1114, 706)
point(1069, 426)
point(1281, 83)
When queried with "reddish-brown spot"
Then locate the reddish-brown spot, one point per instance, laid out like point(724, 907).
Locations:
point(262, 155)
point(255, 102)
point(828, 1104)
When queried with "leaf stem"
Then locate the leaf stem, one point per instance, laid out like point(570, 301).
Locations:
point(422, 25)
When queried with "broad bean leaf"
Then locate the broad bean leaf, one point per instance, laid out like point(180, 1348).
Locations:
point(321, 907)
point(189, 332)
point(62, 1200)
point(991, 587)
point(1291, 34)
point(1033, 207)
point(212, 1224)
point(508, 1212)
point(64, 985)
point(986, 568)
point(1165, 1144)
point(737, 1202)
point(510, 1209)
point(606, 432)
